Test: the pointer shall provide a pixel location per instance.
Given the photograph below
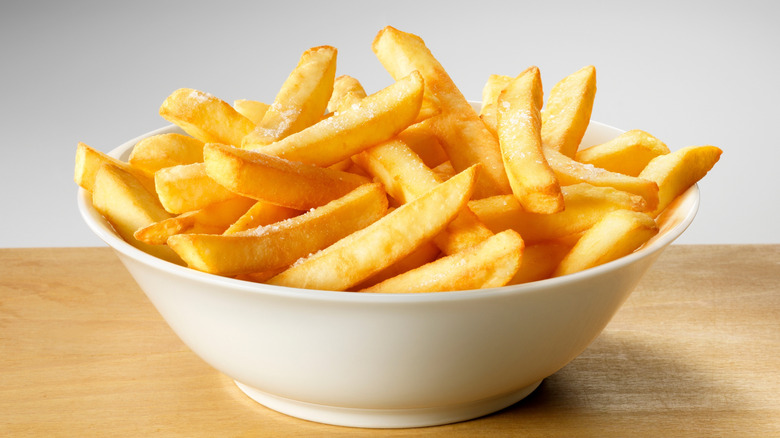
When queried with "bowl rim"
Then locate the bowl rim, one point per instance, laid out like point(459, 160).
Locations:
point(105, 232)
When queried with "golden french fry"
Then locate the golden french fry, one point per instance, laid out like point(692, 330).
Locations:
point(490, 92)
point(187, 187)
point(585, 205)
point(566, 114)
point(617, 234)
point(349, 262)
point(251, 109)
point(627, 153)
point(259, 214)
point(213, 219)
point(425, 253)
point(301, 101)
point(373, 120)
point(491, 263)
point(424, 143)
point(568, 171)
point(540, 261)
point(277, 245)
point(127, 205)
point(346, 91)
point(519, 125)
point(165, 150)
point(88, 162)
point(676, 171)
point(462, 134)
point(276, 180)
point(205, 117)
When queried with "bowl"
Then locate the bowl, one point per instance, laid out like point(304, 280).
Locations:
point(389, 360)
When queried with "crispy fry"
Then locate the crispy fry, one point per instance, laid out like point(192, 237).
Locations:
point(490, 92)
point(212, 219)
point(205, 117)
point(348, 261)
point(566, 115)
point(462, 134)
point(188, 188)
point(127, 205)
point(302, 100)
point(677, 171)
point(276, 180)
point(375, 119)
point(89, 161)
point(251, 109)
point(426, 253)
point(627, 153)
point(165, 150)
point(617, 234)
point(533, 182)
point(540, 261)
point(491, 263)
point(346, 91)
point(280, 244)
point(261, 213)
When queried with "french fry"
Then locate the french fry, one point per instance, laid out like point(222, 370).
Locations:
point(615, 235)
point(676, 171)
point(627, 153)
point(259, 214)
point(205, 117)
point(490, 92)
point(348, 261)
point(165, 150)
point(127, 205)
point(280, 244)
point(424, 143)
point(519, 136)
point(566, 115)
point(568, 171)
point(540, 261)
point(491, 263)
point(425, 253)
point(88, 162)
point(375, 119)
point(462, 134)
point(251, 109)
point(346, 91)
point(585, 205)
point(276, 180)
point(212, 219)
point(187, 187)
point(301, 101)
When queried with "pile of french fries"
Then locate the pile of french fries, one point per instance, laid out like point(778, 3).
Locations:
point(408, 189)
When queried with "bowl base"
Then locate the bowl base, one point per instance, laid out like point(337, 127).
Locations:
point(385, 418)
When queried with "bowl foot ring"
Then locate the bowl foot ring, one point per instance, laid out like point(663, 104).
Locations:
point(386, 418)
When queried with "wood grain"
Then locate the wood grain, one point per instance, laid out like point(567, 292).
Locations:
point(695, 351)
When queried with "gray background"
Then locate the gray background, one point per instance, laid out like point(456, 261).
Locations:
point(687, 72)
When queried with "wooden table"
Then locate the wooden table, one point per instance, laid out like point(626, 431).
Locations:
point(695, 351)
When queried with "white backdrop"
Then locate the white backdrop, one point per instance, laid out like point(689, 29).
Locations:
point(687, 72)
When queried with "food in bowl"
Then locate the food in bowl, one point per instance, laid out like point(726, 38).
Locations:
point(284, 248)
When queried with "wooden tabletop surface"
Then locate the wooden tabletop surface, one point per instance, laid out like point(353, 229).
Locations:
point(695, 351)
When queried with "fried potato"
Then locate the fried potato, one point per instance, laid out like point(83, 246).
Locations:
point(490, 92)
point(566, 115)
point(278, 245)
point(491, 263)
point(676, 171)
point(375, 119)
point(425, 253)
point(302, 100)
point(460, 130)
point(424, 143)
point(165, 150)
point(627, 153)
point(89, 161)
point(585, 205)
point(568, 171)
point(251, 109)
point(259, 214)
point(187, 187)
point(540, 261)
point(346, 91)
point(127, 205)
point(363, 253)
point(205, 117)
point(276, 180)
point(617, 234)
point(212, 219)
point(518, 127)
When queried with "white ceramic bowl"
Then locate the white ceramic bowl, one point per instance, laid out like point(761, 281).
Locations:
point(389, 360)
